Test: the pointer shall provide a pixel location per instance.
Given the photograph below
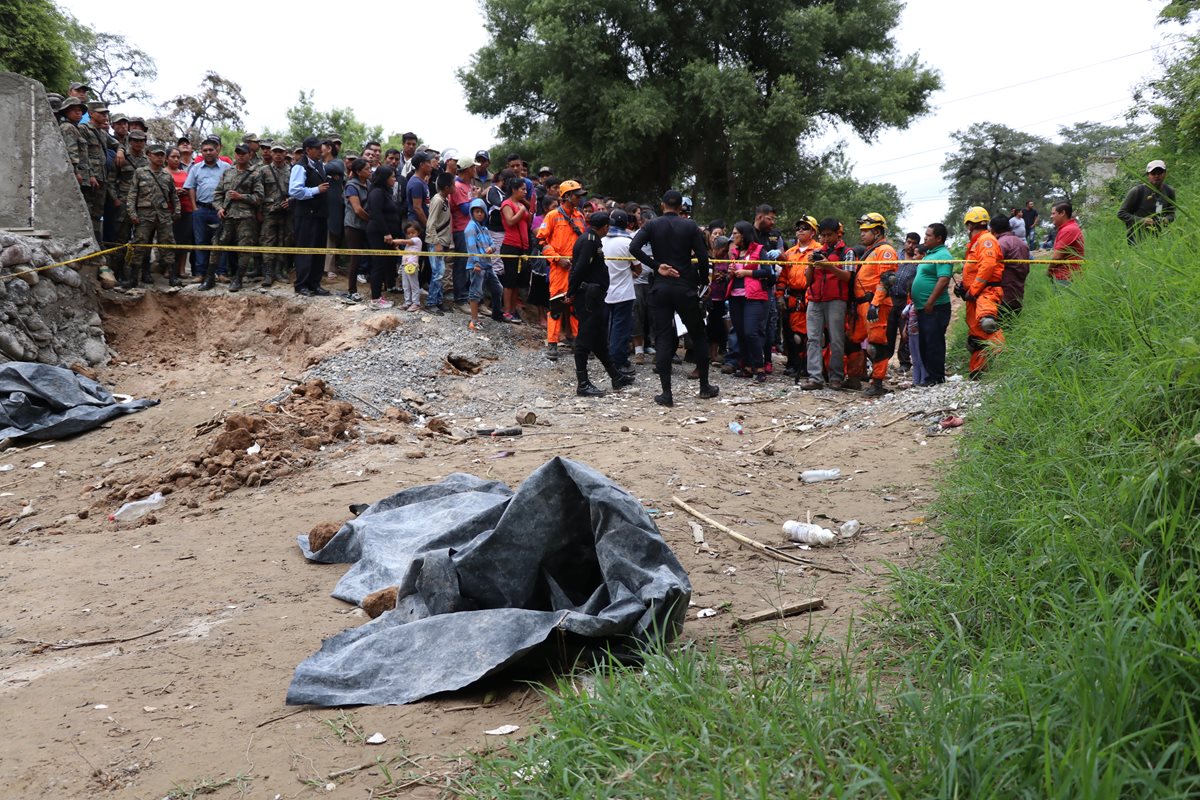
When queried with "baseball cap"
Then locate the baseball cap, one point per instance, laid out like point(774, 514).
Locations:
point(1156, 164)
point(721, 241)
point(137, 136)
point(618, 218)
point(420, 158)
point(118, 117)
point(279, 147)
point(241, 149)
point(450, 153)
point(482, 155)
point(96, 107)
point(545, 170)
point(156, 148)
point(598, 219)
point(77, 85)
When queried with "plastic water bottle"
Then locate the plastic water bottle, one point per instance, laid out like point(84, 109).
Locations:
point(138, 508)
point(818, 475)
point(736, 427)
point(849, 528)
point(807, 533)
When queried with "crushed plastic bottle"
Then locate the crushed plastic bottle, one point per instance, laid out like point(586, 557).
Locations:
point(818, 475)
point(138, 508)
point(807, 533)
point(849, 528)
point(736, 427)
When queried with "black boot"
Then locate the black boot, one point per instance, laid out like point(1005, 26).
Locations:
point(268, 275)
point(173, 277)
point(619, 379)
point(584, 387)
point(235, 285)
point(210, 278)
point(665, 399)
point(147, 276)
point(129, 278)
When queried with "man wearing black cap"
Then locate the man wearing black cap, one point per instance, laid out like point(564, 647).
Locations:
point(586, 288)
point(305, 186)
point(674, 288)
point(151, 205)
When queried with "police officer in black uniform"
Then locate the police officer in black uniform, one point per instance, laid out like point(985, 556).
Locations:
point(675, 284)
point(587, 285)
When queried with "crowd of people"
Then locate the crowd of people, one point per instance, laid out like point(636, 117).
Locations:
point(620, 282)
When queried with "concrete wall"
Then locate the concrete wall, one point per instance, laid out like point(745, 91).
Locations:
point(37, 187)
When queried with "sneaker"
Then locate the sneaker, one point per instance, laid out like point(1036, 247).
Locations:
point(362, 279)
point(437, 312)
point(664, 400)
point(321, 292)
point(475, 325)
point(760, 377)
point(836, 385)
point(381, 303)
point(639, 358)
point(728, 369)
point(463, 308)
point(512, 319)
point(354, 297)
point(709, 392)
point(812, 385)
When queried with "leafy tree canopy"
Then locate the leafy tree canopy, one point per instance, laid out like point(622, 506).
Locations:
point(34, 43)
point(305, 119)
point(218, 101)
point(636, 96)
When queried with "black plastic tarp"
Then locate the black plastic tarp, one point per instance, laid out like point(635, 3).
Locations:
point(38, 401)
point(486, 575)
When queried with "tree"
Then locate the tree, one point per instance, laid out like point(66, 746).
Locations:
point(304, 119)
point(218, 102)
point(1082, 143)
point(117, 72)
point(996, 167)
point(636, 97)
point(33, 42)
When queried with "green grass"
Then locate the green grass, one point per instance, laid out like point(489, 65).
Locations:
point(1050, 649)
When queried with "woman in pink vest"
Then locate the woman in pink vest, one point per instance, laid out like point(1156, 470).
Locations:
point(749, 298)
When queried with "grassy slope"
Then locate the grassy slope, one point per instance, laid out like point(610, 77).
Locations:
point(1052, 651)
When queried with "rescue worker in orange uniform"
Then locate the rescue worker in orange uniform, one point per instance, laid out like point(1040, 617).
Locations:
point(983, 272)
point(561, 228)
point(872, 298)
point(792, 288)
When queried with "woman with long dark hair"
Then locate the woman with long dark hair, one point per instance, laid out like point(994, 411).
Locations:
point(182, 226)
point(516, 217)
point(748, 298)
point(383, 225)
point(355, 219)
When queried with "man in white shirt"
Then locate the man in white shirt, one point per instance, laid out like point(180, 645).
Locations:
point(620, 295)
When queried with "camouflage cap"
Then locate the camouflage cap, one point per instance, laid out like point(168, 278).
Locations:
point(97, 107)
point(137, 121)
point(155, 148)
point(250, 137)
point(277, 146)
point(241, 149)
point(71, 102)
point(77, 85)
point(137, 136)
point(118, 117)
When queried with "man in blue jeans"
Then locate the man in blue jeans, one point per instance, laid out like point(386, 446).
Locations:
point(201, 183)
point(438, 239)
point(620, 295)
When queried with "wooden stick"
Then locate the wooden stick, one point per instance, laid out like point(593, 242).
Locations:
point(790, 610)
point(737, 537)
point(814, 441)
point(807, 562)
point(341, 773)
point(293, 713)
point(753, 402)
point(43, 646)
point(768, 444)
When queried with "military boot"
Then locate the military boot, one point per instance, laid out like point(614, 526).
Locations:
point(268, 274)
point(147, 276)
point(235, 284)
point(210, 278)
point(584, 386)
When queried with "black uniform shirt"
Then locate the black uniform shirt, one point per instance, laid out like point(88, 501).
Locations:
point(673, 240)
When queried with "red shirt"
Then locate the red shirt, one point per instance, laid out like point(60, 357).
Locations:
point(460, 194)
point(185, 198)
point(1068, 246)
point(515, 235)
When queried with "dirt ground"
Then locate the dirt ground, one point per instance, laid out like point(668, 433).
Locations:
point(151, 660)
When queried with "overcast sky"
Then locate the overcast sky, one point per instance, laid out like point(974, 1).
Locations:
point(979, 56)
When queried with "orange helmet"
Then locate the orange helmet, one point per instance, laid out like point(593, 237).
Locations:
point(567, 187)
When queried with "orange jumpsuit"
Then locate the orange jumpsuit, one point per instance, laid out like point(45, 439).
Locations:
point(792, 287)
point(867, 289)
point(982, 274)
point(560, 229)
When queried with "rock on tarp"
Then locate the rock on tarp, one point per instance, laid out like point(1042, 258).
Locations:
point(38, 401)
point(486, 575)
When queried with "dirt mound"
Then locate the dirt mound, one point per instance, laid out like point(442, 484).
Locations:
point(250, 449)
point(168, 328)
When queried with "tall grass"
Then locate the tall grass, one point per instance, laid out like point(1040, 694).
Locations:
point(1051, 650)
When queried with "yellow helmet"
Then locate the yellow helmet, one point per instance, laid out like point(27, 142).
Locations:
point(872, 220)
point(809, 221)
point(976, 215)
point(566, 187)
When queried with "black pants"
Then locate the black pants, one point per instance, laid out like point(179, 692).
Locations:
point(668, 297)
point(310, 232)
point(931, 337)
point(353, 239)
point(383, 268)
point(895, 330)
point(591, 311)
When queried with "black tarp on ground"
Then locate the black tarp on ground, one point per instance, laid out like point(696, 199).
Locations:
point(486, 575)
point(38, 401)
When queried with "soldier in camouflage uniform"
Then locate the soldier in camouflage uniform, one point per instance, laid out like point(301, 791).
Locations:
point(257, 155)
point(75, 139)
point(98, 139)
point(132, 156)
point(237, 199)
point(152, 205)
point(276, 221)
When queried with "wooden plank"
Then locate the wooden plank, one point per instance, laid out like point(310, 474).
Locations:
point(790, 610)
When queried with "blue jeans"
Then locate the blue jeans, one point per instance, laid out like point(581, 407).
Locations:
point(485, 276)
point(462, 283)
point(750, 322)
point(202, 234)
point(620, 329)
point(437, 269)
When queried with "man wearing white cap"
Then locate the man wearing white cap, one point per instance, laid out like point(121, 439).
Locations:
point(1150, 205)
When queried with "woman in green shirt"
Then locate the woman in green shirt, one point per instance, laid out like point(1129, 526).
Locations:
point(931, 298)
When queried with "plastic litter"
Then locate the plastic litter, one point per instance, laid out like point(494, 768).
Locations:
point(706, 612)
point(138, 508)
point(808, 533)
point(377, 738)
point(254, 449)
point(736, 427)
point(503, 730)
point(818, 475)
point(849, 528)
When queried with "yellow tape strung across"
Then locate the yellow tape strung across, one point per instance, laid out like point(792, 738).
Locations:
point(320, 251)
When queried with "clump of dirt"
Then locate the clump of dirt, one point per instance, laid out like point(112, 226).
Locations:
point(251, 449)
point(322, 533)
point(382, 601)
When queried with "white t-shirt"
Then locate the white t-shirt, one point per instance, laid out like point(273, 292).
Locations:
point(620, 274)
point(412, 245)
